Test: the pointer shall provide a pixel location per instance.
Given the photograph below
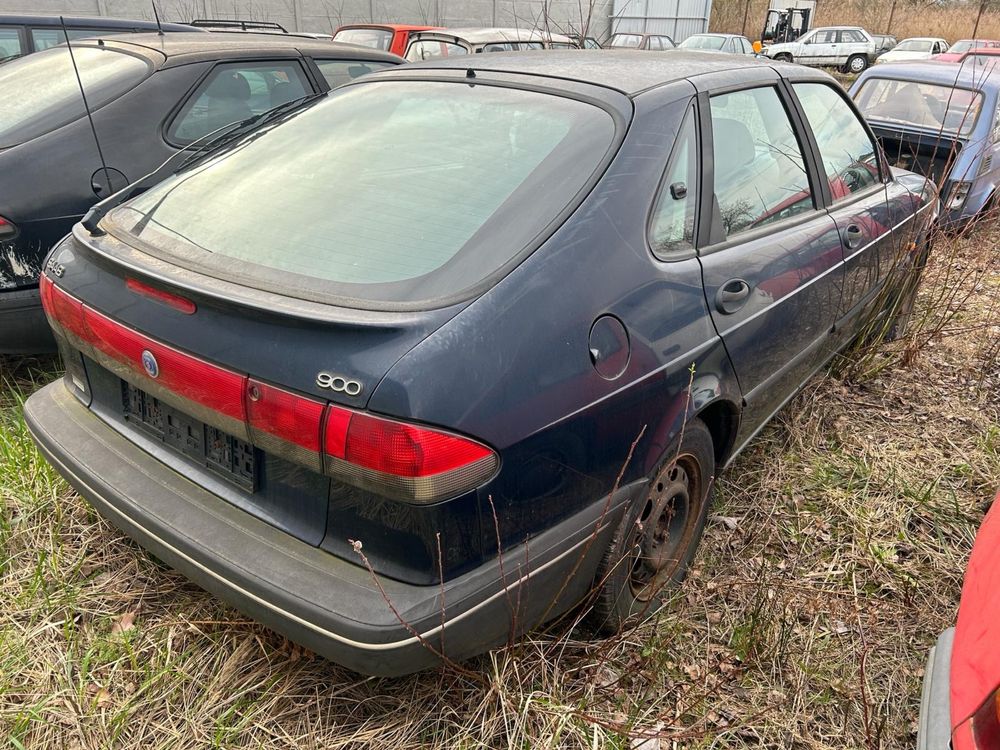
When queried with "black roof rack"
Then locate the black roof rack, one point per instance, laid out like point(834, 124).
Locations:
point(226, 23)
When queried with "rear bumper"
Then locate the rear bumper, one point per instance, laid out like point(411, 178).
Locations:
point(23, 327)
point(934, 731)
point(327, 604)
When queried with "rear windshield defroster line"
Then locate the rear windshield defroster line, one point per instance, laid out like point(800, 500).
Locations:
point(383, 195)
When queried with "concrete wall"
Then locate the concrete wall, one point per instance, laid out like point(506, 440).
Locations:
point(326, 15)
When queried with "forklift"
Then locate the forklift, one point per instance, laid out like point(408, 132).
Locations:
point(787, 24)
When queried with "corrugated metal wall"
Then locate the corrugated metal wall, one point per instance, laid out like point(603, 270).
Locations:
point(679, 19)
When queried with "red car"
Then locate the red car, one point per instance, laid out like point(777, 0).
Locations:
point(962, 47)
point(390, 37)
point(960, 705)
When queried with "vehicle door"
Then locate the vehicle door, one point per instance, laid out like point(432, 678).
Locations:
point(772, 264)
point(820, 48)
point(870, 210)
point(852, 43)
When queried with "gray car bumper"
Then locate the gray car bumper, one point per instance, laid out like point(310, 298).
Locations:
point(325, 603)
point(23, 327)
point(934, 732)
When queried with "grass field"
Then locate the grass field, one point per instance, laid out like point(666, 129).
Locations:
point(833, 560)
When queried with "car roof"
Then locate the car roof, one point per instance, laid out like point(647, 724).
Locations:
point(936, 72)
point(496, 34)
point(627, 71)
point(390, 26)
point(97, 22)
point(195, 46)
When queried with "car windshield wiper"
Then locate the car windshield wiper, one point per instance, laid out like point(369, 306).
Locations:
point(209, 145)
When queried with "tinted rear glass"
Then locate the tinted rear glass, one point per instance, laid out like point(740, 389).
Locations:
point(41, 92)
point(390, 192)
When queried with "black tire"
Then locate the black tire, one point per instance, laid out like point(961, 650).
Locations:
point(643, 563)
point(857, 64)
point(904, 301)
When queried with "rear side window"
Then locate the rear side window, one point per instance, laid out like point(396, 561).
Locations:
point(850, 158)
point(428, 49)
point(851, 37)
point(41, 92)
point(236, 91)
point(389, 192)
point(53, 37)
point(760, 173)
point(339, 72)
point(373, 38)
point(10, 44)
point(673, 222)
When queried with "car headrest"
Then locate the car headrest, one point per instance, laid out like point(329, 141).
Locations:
point(733, 143)
point(230, 85)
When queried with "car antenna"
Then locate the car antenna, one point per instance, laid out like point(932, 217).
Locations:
point(86, 105)
point(159, 26)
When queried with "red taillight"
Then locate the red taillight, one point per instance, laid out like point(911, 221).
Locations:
point(401, 460)
point(62, 309)
point(284, 423)
point(169, 299)
point(8, 230)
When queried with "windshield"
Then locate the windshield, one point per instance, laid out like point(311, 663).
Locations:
point(630, 41)
point(390, 192)
point(913, 45)
point(374, 38)
point(923, 105)
point(703, 42)
point(41, 93)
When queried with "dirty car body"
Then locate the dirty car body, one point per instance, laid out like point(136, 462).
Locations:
point(940, 120)
point(308, 422)
point(151, 98)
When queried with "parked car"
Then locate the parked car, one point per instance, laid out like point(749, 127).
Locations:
point(427, 45)
point(151, 97)
point(960, 701)
point(274, 370)
point(916, 48)
point(21, 35)
point(629, 40)
point(962, 46)
point(390, 37)
point(940, 121)
point(980, 56)
point(883, 43)
point(732, 43)
point(846, 47)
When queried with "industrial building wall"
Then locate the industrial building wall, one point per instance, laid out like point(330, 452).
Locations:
point(325, 15)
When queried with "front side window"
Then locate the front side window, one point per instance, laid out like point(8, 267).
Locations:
point(10, 44)
point(850, 157)
point(672, 227)
point(233, 92)
point(824, 37)
point(927, 106)
point(665, 42)
point(428, 49)
point(626, 41)
point(41, 92)
point(373, 38)
point(387, 192)
point(760, 173)
point(339, 72)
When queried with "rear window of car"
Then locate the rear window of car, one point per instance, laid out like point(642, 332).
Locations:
point(41, 92)
point(927, 106)
point(384, 194)
point(374, 38)
point(428, 49)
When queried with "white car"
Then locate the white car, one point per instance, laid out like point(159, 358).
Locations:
point(915, 48)
point(850, 48)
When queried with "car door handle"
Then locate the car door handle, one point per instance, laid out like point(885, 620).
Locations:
point(853, 237)
point(732, 296)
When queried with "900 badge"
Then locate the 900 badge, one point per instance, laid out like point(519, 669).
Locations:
point(338, 384)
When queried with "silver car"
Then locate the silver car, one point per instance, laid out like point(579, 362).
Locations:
point(850, 48)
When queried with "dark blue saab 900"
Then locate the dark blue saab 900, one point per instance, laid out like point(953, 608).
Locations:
point(420, 324)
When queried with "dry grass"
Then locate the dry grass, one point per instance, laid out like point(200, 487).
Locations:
point(834, 559)
point(950, 20)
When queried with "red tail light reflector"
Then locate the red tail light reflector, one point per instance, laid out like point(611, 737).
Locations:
point(405, 461)
point(8, 230)
point(169, 299)
point(62, 309)
point(285, 423)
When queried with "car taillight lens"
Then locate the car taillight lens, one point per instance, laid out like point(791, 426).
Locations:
point(959, 194)
point(395, 459)
point(404, 461)
point(8, 230)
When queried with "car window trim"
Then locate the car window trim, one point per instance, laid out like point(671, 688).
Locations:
point(690, 110)
point(175, 111)
point(885, 174)
point(714, 238)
